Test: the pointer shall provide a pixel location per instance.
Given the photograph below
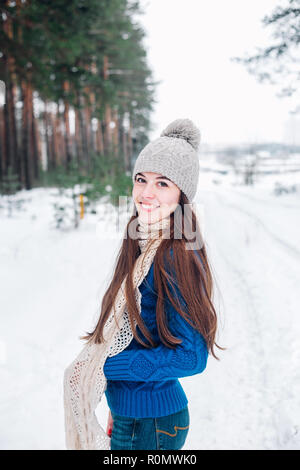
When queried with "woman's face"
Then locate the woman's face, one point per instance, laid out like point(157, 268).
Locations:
point(155, 196)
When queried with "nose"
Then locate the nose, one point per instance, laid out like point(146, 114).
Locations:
point(148, 192)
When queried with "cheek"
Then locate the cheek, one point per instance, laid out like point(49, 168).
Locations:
point(134, 191)
point(170, 198)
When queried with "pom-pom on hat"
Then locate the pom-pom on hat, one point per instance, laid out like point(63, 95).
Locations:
point(175, 155)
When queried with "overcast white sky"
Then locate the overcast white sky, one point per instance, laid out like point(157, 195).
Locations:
point(189, 44)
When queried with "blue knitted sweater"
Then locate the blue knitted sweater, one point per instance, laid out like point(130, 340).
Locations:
point(143, 382)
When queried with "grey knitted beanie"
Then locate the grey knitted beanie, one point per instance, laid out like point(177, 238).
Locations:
point(174, 155)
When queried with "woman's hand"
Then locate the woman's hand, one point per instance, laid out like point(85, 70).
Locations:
point(109, 424)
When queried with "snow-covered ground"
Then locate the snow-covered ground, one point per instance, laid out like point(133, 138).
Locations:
point(52, 283)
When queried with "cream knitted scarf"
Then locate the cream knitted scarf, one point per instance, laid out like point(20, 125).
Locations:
point(84, 380)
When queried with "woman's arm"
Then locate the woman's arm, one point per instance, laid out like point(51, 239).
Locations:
point(160, 363)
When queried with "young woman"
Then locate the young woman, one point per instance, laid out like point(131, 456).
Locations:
point(170, 311)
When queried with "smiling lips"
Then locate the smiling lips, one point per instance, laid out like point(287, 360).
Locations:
point(148, 207)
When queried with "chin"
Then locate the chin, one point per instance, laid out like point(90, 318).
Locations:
point(149, 218)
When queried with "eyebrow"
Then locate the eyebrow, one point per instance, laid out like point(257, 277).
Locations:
point(157, 178)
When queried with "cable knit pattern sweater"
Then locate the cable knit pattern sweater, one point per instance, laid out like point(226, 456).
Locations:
point(143, 382)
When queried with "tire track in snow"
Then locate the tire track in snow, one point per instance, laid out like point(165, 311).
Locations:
point(289, 248)
point(266, 201)
point(269, 390)
point(249, 383)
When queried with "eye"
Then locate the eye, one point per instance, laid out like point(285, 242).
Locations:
point(139, 178)
point(143, 180)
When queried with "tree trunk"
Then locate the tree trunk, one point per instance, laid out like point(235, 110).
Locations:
point(78, 142)
point(53, 140)
point(107, 112)
point(9, 120)
point(67, 135)
point(116, 132)
point(58, 141)
point(48, 138)
point(130, 144)
point(88, 136)
point(99, 138)
point(35, 147)
point(82, 133)
point(15, 152)
point(107, 129)
point(38, 140)
point(124, 145)
point(92, 99)
point(26, 132)
point(2, 144)
point(9, 107)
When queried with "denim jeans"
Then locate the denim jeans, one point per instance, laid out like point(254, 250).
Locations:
point(163, 433)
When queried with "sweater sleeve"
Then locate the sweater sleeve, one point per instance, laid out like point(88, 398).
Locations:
point(162, 363)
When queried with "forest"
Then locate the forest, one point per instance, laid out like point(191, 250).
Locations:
point(76, 92)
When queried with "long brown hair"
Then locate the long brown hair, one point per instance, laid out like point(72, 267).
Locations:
point(193, 278)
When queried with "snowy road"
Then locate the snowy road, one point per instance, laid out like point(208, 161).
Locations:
point(249, 400)
point(52, 286)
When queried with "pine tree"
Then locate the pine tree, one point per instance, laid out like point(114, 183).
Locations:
point(83, 56)
point(278, 63)
point(9, 188)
